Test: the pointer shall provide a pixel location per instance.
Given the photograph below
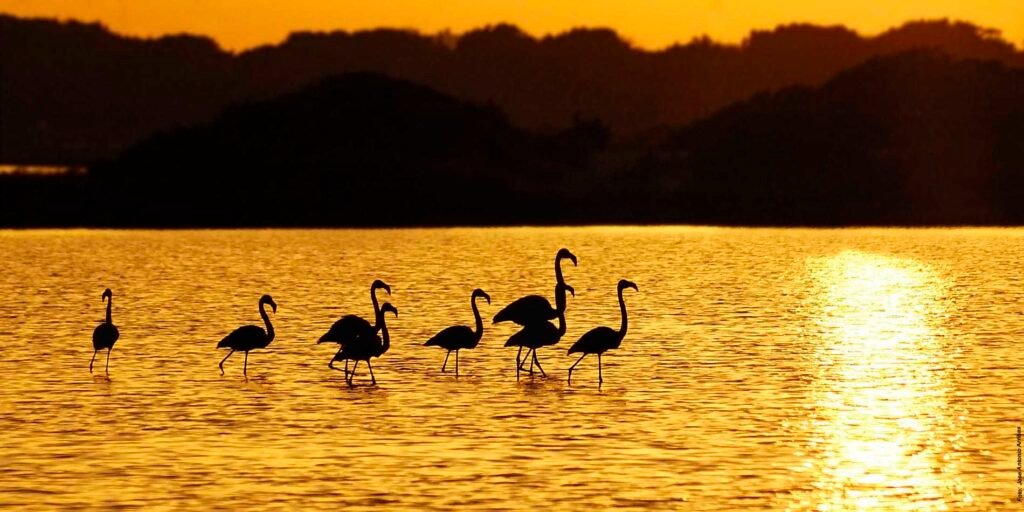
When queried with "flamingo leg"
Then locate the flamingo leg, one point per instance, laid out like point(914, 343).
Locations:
point(456, 363)
point(525, 359)
point(445, 361)
point(93, 359)
point(574, 366)
point(530, 352)
point(225, 359)
point(539, 367)
point(518, 365)
point(351, 375)
point(106, 367)
point(600, 378)
point(245, 365)
point(330, 364)
point(373, 380)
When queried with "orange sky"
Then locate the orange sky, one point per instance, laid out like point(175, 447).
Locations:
point(240, 24)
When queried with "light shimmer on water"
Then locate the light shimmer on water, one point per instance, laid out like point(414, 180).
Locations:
point(766, 369)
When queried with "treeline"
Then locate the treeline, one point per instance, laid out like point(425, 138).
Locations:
point(71, 93)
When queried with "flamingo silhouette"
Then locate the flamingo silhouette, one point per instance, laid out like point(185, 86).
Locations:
point(458, 337)
point(105, 334)
point(350, 327)
point(249, 337)
point(534, 308)
point(602, 339)
point(368, 346)
point(540, 334)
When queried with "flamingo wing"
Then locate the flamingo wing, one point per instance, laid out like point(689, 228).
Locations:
point(360, 349)
point(533, 335)
point(246, 337)
point(595, 341)
point(348, 328)
point(451, 338)
point(526, 310)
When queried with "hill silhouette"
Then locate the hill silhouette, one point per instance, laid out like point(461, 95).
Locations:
point(358, 149)
point(918, 138)
point(72, 92)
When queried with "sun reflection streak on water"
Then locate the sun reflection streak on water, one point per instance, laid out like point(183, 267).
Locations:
point(881, 389)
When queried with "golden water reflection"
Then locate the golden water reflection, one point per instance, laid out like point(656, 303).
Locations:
point(883, 435)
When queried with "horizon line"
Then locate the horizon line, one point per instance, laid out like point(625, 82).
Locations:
point(447, 34)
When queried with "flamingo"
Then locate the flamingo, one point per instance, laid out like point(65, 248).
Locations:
point(458, 337)
point(540, 334)
point(105, 334)
point(249, 337)
point(350, 327)
point(602, 339)
point(366, 347)
point(534, 308)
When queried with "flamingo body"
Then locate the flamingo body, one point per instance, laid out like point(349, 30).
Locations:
point(348, 328)
point(535, 336)
point(104, 336)
point(597, 341)
point(246, 338)
point(524, 310)
point(454, 338)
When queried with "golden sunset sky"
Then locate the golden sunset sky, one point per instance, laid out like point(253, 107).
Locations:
point(239, 24)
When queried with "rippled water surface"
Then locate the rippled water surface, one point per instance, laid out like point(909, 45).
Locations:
point(770, 369)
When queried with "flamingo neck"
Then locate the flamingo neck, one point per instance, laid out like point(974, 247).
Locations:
point(560, 297)
point(385, 337)
point(266, 321)
point(373, 299)
point(561, 323)
point(110, 303)
point(625, 322)
point(558, 270)
point(479, 321)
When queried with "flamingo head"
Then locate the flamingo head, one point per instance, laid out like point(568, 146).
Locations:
point(561, 288)
point(107, 294)
point(480, 293)
point(267, 299)
point(563, 254)
point(388, 308)
point(381, 285)
point(623, 284)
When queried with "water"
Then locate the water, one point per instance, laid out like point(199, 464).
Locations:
point(766, 369)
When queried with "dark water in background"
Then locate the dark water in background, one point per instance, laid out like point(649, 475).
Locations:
point(772, 369)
